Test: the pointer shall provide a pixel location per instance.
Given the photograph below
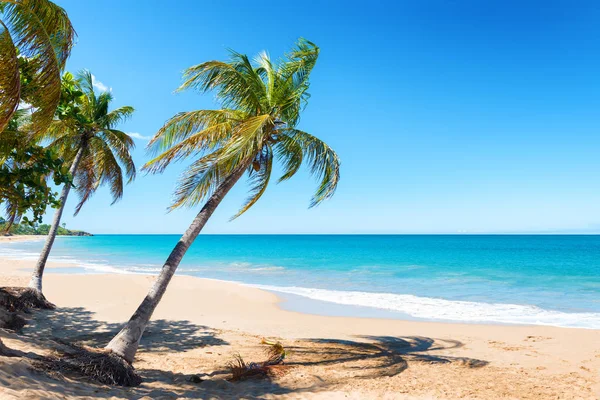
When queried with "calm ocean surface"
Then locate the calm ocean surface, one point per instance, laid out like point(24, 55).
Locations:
point(537, 279)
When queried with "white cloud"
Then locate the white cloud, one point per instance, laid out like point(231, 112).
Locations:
point(100, 86)
point(136, 135)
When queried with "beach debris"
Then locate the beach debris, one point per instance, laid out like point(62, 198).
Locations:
point(11, 320)
point(273, 366)
point(99, 365)
point(22, 299)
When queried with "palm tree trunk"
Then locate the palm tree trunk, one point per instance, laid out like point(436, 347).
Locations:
point(36, 278)
point(126, 342)
point(10, 223)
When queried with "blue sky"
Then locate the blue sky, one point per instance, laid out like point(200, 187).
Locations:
point(449, 116)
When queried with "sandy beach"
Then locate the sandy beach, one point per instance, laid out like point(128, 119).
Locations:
point(202, 324)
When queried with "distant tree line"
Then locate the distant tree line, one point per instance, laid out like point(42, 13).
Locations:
point(37, 229)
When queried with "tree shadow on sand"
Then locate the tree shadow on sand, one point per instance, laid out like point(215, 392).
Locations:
point(312, 365)
point(316, 365)
point(77, 325)
point(370, 357)
point(389, 354)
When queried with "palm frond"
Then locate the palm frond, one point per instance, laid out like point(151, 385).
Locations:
point(200, 179)
point(115, 117)
point(268, 73)
point(233, 85)
point(323, 162)
point(10, 84)
point(121, 145)
point(258, 179)
point(204, 175)
point(86, 181)
point(300, 62)
point(44, 35)
point(109, 170)
point(186, 124)
point(290, 155)
point(205, 140)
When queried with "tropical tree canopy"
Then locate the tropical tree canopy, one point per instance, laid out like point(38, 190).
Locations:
point(36, 37)
point(261, 101)
point(25, 168)
point(85, 122)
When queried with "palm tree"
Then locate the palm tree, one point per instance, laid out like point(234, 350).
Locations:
point(36, 37)
point(261, 103)
point(41, 33)
point(85, 135)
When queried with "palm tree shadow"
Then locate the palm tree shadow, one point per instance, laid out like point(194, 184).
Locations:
point(78, 325)
point(324, 363)
point(332, 362)
point(383, 355)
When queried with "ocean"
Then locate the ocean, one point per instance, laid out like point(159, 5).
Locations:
point(508, 279)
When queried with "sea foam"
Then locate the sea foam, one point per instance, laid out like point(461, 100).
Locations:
point(447, 310)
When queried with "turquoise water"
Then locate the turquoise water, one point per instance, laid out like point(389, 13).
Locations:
point(537, 279)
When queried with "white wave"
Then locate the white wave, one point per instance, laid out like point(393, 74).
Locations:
point(274, 268)
point(450, 310)
point(102, 268)
point(415, 306)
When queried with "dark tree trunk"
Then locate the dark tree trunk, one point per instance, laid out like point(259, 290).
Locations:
point(126, 342)
point(36, 278)
point(10, 223)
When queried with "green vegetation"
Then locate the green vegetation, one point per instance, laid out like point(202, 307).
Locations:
point(85, 135)
point(83, 149)
point(36, 37)
point(38, 229)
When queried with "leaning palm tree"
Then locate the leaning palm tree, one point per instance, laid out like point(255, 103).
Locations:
point(261, 103)
point(41, 33)
point(85, 135)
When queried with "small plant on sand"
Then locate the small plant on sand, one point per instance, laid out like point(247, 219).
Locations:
point(240, 370)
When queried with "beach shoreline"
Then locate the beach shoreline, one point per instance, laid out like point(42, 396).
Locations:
point(517, 358)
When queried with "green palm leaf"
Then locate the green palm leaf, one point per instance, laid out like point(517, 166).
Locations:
point(44, 35)
point(10, 85)
point(262, 102)
point(91, 125)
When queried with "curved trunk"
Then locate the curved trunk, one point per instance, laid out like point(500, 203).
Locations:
point(36, 278)
point(10, 223)
point(126, 342)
